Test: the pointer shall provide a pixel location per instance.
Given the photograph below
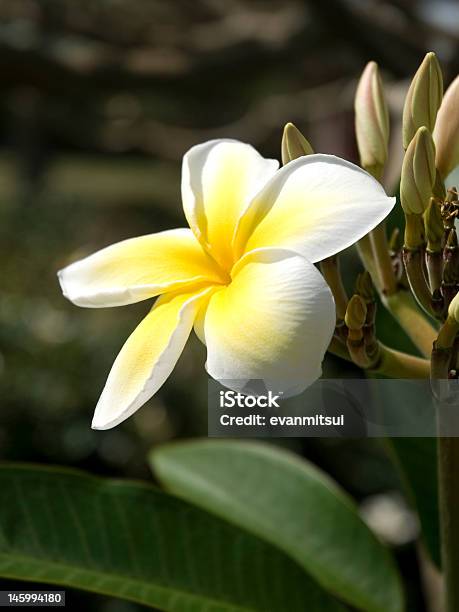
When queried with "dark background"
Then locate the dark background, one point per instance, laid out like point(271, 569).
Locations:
point(100, 100)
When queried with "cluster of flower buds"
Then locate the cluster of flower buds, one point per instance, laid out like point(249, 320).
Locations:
point(360, 317)
point(430, 252)
point(427, 264)
point(430, 136)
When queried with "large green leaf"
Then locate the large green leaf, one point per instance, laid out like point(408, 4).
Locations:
point(133, 541)
point(416, 459)
point(291, 504)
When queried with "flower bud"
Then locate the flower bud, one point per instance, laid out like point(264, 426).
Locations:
point(356, 313)
point(453, 309)
point(418, 173)
point(446, 132)
point(294, 144)
point(371, 120)
point(434, 227)
point(423, 98)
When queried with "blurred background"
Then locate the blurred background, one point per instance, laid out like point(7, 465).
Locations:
point(100, 100)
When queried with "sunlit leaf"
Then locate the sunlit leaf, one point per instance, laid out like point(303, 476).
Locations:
point(290, 504)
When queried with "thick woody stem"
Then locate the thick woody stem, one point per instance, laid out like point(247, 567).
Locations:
point(448, 494)
point(448, 469)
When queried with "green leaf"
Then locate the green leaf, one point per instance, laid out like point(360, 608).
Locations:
point(291, 504)
point(130, 540)
point(416, 459)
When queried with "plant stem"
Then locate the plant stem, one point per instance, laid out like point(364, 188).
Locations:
point(403, 308)
point(445, 340)
point(414, 266)
point(389, 362)
point(448, 470)
point(434, 263)
point(448, 492)
point(330, 269)
point(365, 252)
point(395, 364)
point(383, 261)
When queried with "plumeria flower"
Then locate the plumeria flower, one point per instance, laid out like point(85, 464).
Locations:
point(242, 275)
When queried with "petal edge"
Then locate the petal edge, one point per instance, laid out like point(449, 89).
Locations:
point(147, 358)
point(316, 206)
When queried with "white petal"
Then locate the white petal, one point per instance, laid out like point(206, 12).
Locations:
point(219, 178)
point(137, 269)
point(317, 206)
point(446, 131)
point(273, 323)
point(147, 358)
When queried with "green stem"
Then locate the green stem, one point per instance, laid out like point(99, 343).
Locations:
point(330, 269)
point(434, 263)
point(382, 259)
point(395, 364)
point(439, 187)
point(365, 252)
point(445, 340)
point(403, 308)
point(389, 362)
point(414, 266)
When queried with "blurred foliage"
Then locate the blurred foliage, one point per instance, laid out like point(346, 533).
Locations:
point(100, 99)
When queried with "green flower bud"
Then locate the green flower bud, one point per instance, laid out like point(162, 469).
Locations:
point(294, 144)
point(434, 227)
point(453, 309)
point(371, 120)
point(356, 313)
point(446, 132)
point(418, 173)
point(423, 98)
